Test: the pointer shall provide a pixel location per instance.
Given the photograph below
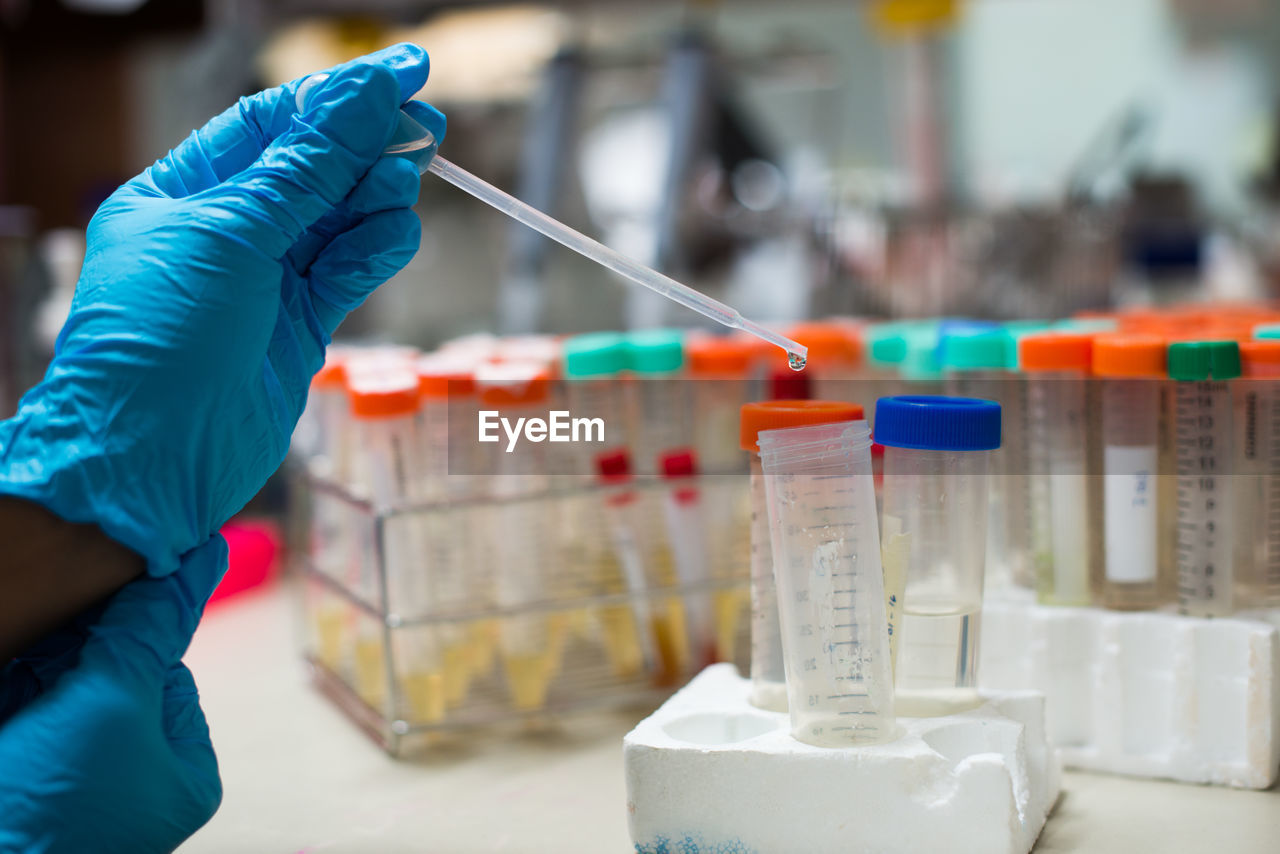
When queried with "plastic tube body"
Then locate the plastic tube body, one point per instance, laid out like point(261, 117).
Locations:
point(1008, 547)
point(658, 412)
point(1256, 424)
point(768, 678)
point(935, 506)
point(1205, 545)
point(826, 558)
point(518, 554)
point(391, 476)
point(602, 398)
point(716, 403)
point(1057, 444)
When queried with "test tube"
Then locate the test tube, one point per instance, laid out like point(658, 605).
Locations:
point(980, 360)
point(768, 679)
point(452, 371)
point(592, 366)
point(719, 368)
point(936, 452)
point(517, 533)
point(1057, 365)
point(319, 431)
point(1257, 454)
point(685, 513)
point(1131, 367)
point(327, 420)
point(826, 565)
point(1203, 434)
point(446, 532)
point(385, 403)
point(644, 553)
point(658, 400)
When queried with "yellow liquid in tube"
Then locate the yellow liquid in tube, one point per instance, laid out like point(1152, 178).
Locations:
point(425, 691)
point(371, 675)
point(330, 624)
point(457, 670)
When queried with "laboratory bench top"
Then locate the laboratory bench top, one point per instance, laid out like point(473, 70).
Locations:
point(299, 777)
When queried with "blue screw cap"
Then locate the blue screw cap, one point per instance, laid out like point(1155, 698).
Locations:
point(936, 423)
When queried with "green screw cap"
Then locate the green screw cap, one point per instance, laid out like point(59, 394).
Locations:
point(1088, 324)
point(975, 350)
point(1267, 331)
point(1204, 360)
point(888, 344)
point(1019, 328)
point(887, 349)
point(920, 361)
point(656, 351)
point(599, 354)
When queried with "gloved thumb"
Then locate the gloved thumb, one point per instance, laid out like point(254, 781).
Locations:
point(310, 169)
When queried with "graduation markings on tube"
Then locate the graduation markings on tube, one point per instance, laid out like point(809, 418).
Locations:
point(558, 426)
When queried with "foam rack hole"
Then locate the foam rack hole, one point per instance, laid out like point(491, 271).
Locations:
point(712, 729)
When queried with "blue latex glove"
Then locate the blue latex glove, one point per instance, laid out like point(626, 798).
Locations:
point(211, 286)
point(113, 754)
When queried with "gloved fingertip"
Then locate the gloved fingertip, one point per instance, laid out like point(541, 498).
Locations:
point(360, 80)
point(407, 59)
point(429, 117)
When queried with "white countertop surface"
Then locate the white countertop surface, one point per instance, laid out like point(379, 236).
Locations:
point(299, 777)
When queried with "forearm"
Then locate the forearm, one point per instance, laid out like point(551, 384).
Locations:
point(51, 570)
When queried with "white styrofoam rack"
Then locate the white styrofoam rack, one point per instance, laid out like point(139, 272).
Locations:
point(708, 773)
point(1144, 694)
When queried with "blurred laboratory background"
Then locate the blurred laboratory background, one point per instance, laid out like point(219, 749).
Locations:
point(991, 158)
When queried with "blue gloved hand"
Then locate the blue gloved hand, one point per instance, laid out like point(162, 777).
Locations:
point(211, 286)
point(113, 754)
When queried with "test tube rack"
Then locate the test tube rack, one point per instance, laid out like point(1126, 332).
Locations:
point(1146, 694)
point(366, 633)
point(709, 772)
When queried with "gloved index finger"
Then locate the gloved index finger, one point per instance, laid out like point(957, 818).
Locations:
point(232, 141)
point(310, 169)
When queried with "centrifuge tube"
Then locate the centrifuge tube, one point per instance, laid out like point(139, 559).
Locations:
point(683, 510)
point(1257, 454)
point(640, 540)
point(1202, 422)
point(935, 503)
point(980, 360)
point(384, 402)
point(658, 396)
point(768, 677)
point(517, 527)
point(1057, 366)
point(826, 564)
point(722, 371)
point(1132, 368)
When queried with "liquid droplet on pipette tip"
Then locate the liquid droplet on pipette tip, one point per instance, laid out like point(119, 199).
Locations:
point(796, 361)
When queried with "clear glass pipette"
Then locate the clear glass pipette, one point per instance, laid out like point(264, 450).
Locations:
point(410, 138)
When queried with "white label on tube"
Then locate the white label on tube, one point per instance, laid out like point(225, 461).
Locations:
point(1130, 502)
